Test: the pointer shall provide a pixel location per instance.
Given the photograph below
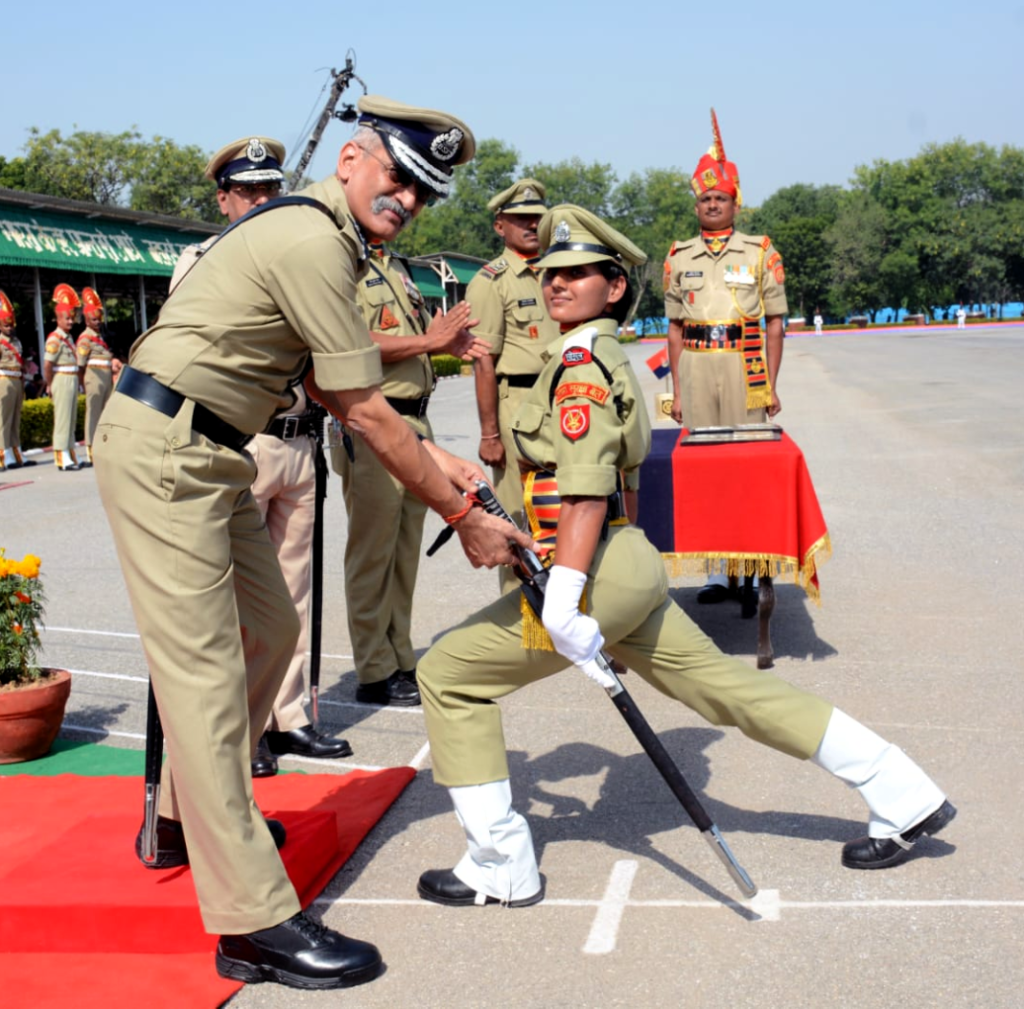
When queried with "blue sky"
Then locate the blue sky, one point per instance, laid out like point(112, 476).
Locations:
point(804, 91)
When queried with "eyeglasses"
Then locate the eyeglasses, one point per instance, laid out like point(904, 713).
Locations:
point(254, 192)
point(402, 179)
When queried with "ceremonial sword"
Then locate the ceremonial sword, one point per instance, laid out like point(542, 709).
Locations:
point(154, 760)
point(534, 578)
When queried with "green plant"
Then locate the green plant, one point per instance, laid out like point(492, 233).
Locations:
point(21, 616)
point(446, 364)
point(37, 422)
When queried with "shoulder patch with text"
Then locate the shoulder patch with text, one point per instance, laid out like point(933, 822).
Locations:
point(572, 390)
point(576, 355)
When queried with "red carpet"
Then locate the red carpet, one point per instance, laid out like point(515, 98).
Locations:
point(80, 917)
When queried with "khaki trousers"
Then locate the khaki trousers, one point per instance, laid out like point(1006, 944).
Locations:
point(12, 395)
point(285, 492)
point(218, 627)
point(483, 660)
point(713, 389)
point(98, 383)
point(64, 393)
point(508, 484)
point(382, 559)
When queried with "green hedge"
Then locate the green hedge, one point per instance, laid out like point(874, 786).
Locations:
point(445, 365)
point(37, 422)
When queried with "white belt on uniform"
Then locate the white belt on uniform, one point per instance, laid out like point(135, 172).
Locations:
point(66, 369)
point(99, 364)
point(10, 374)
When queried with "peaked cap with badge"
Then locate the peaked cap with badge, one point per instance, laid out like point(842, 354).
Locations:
point(6, 308)
point(572, 236)
point(65, 297)
point(247, 162)
point(524, 197)
point(714, 171)
point(92, 303)
point(425, 143)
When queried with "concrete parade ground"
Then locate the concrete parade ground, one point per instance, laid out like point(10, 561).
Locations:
point(916, 448)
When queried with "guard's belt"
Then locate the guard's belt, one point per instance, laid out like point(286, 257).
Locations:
point(409, 407)
point(712, 335)
point(292, 426)
point(146, 389)
point(520, 381)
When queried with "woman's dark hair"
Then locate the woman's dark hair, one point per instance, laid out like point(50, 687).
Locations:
point(620, 309)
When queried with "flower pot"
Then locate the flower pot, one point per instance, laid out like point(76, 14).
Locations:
point(31, 716)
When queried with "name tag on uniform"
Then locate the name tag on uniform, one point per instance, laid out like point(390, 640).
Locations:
point(374, 281)
point(527, 302)
point(694, 273)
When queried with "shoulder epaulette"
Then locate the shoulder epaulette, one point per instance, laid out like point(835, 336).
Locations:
point(679, 246)
point(765, 243)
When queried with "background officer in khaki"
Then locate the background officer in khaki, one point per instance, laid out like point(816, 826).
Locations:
point(60, 374)
point(718, 287)
point(582, 427)
point(382, 560)
point(12, 389)
point(272, 296)
point(248, 173)
point(505, 296)
point(95, 363)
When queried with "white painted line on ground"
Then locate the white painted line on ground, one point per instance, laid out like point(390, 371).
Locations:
point(109, 676)
point(102, 732)
point(400, 710)
point(605, 929)
point(417, 762)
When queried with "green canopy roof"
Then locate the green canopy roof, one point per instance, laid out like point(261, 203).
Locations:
point(427, 281)
point(45, 238)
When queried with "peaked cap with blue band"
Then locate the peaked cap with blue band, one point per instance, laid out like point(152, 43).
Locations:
point(247, 162)
point(423, 142)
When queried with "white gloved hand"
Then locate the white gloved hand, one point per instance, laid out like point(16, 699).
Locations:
point(574, 634)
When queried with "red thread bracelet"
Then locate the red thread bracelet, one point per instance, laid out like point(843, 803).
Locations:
point(471, 500)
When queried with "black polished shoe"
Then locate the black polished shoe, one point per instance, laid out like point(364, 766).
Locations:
point(881, 852)
point(171, 852)
point(264, 763)
point(442, 886)
point(711, 594)
point(306, 742)
point(300, 953)
point(399, 689)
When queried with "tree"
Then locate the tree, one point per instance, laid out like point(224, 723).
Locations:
point(169, 180)
point(857, 243)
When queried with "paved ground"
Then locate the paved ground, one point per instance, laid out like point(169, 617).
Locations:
point(915, 445)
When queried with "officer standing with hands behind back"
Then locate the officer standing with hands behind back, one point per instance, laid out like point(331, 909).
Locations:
point(272, 300)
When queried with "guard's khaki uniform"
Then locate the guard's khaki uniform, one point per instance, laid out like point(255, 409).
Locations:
point(506, 298)
point(201, 571)
point(382, 561)
point(723, 375)
point(96, 357)
point(12, 395)
point(285, 493)
point(627, 594)
point(61, 353)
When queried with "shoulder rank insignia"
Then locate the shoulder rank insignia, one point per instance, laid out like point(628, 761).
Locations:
point(387, 318)
point(575, 420)
point(765, 242)
point(666, 280)
point(585, 390)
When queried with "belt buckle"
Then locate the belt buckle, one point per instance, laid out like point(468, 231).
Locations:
point(291, 428)
point(717, 333)
point(422, 412)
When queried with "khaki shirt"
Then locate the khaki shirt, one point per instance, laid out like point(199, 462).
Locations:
point(578, 430)
point(506, 298)
point(272, 292)
point(391, 303)
point(11, 358)
point(746, 280)
point(60, 349)
point(92, 349)
point(188, 256)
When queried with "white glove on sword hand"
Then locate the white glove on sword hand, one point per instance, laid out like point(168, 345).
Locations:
point(574, 634)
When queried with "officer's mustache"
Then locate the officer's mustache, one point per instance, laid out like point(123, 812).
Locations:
point(382, 203)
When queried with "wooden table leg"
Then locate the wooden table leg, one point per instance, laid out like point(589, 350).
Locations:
point(766, 606)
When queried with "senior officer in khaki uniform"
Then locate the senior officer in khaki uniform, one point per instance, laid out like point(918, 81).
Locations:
point(382, 561)
point(718, 287)
point(248, 173)
point(272, 300)
point(95, 364)
point(583, 426)
point(12, 389)
point(505, 296)
point(60, 375)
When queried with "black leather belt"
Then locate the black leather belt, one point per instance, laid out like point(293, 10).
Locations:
point(713, 334)
point(145, 389)
point(292, 426)
point(520, 381)
point(409, 407)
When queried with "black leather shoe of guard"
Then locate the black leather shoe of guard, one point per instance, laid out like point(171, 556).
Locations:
point(306, 742)
point(711, 594)
point(171, 852)
point(300, 953)
point(880, 853)
point(264, 763)
point(442, 886)
point(399, 689)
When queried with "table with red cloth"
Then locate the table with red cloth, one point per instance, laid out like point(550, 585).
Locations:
point(743, 507)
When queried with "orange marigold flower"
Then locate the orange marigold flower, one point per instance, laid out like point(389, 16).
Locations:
point(16, 628)
point(21, 597)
